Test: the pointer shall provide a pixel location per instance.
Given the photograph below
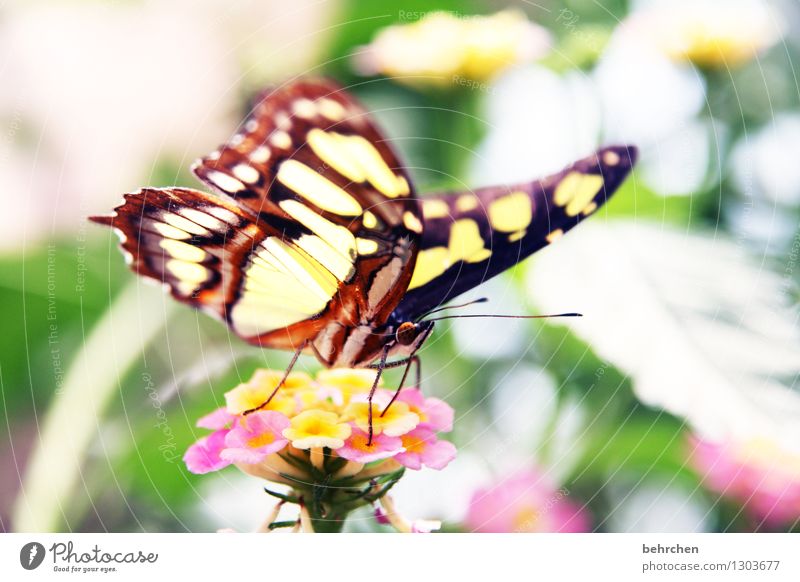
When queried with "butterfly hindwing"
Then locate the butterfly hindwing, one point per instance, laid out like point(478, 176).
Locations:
point(213, 255)
point(470, 237)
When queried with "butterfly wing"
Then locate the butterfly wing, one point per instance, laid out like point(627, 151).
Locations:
point(215, 256)
point(320, 222)
point(470, 237)
point(309, 150)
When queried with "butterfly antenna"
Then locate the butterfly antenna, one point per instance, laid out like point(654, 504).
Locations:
point(467, 304)
point(507, 316)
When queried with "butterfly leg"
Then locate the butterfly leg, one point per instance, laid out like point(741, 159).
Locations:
point(283, 380)
point(380, 367)
point(409, 361)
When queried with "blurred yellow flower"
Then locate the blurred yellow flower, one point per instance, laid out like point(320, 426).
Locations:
point(709, 33)
point(444, 49)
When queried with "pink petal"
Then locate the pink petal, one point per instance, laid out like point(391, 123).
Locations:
point(409, 460)
point(220, 418)
point(438, 454)
point(383, 446)
point(425, 525)
point(439, 413)
point(237, 443)
point(380, 516)
point(412, 397)
point(204, 455)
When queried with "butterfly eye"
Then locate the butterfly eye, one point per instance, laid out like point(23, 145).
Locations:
point(406, 333)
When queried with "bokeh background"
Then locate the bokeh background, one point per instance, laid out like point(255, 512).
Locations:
point(672, 405)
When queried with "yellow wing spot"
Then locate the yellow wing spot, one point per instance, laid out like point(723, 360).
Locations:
point(366, 246)
point(224, 215)
point(356, 159)
point(611, 158)
point(203, 219)
point(304, 108)
point(554, 235)
point(226, 182)
point(589, 208)
point(317, 189)
point(331, 109)
point(466, 202)
point(246, 173)
point(329, 257)
point(168, 231)
point(511, 213)
point(282, 121)
point(281, 139)
point(515, 236)
point(189, 275)
point(306, 270)
point(182, 251)
point(260, 155)
point(187, 271)
point(272, 299)
point(411, 222)
point(373, 164)
point(466, 243)
point(430, 264)
point(435, 209)
point(576, 191)
point(338, 237)
point(370, 220)
point(331, 148)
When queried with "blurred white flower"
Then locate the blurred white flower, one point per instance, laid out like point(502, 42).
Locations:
point(652, 508)
point(444, 49)
point(644, 95)
point(764, 163)
point(102, 94)
point(504, 338)
point(704, 332)
point(679, 164)
point(538, 122)
point(445, 494)
point(522, 405)
point(709, 33)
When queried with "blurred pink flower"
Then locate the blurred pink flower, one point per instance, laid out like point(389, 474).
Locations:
point(525, 502)
point(758, 474)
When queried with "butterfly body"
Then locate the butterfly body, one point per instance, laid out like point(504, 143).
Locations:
point(316, 241)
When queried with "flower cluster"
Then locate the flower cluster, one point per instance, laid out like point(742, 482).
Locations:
point(443, 48)
point(313, 436)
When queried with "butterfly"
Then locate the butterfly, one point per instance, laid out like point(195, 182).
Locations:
point(315, 241)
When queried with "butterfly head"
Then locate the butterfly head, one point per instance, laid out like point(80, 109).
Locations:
point(408, 333)
point(409, 336)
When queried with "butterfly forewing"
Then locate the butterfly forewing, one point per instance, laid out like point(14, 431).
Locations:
point(470, 237)
point(326, 225)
